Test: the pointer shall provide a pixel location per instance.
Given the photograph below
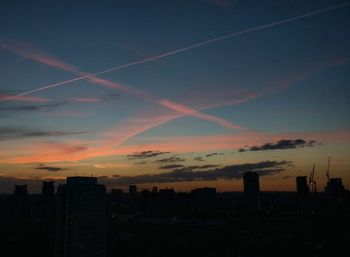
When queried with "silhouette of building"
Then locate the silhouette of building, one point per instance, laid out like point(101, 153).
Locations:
point(302, 192)
point(20, 203)
point(336, 191)
point(20, 190)
point(251, 190)
point(161, 204)
point(47, 203)
point(133, 189)
point(204, 200)
point(81, 218)
point(335, 186)
point(302, 187)
point(48, 189)
point(251, 183)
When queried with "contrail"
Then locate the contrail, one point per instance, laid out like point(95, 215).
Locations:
point(234, 34)
point(180, 50)
point(48, 60)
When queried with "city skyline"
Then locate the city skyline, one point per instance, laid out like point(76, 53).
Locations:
point(182, 94)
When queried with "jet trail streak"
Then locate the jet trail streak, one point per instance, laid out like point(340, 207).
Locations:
point(180, 50)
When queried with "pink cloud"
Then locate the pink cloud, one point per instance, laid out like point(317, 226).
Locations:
point(113, 85)
point(304, 73)
point(192, 112)
point(29, 52)
point(74, 114)
point(86, 99)
point(80, 150)
point(37, 56)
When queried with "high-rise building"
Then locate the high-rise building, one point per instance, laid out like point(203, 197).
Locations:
point(20, 203)
point(251, 183)
point(302, 187)
point(47, 202)
point(204, 199)
point(335, 188)
point(133, 189)
point(48, 189)
point(302, 192)
point(81, 218)
point(20, 190)
point(251, 190)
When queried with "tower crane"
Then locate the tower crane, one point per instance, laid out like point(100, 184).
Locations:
point(312, 180)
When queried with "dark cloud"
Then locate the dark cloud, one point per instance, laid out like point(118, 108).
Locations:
point(51, 133)
point(140, 163)
point(180, 173)
point(8, 133)
point(212, 154)
point(49, 168)
point(74, 148)
point(112, 96)
point(171, 159)
point(171, 166)
point(145, 154)
point(228, 172)
point(202, 166)
point(281, 145)
point(199, 159)
point(179, 167)
point(30, 108)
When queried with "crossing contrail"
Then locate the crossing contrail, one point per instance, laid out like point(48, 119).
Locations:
point(180, 50)
point(37, 55)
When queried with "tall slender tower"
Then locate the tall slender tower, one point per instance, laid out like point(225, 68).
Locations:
point(81, 218)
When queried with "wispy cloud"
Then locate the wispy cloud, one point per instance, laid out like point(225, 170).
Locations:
point(229, 172)
point(171, 166)
point(282, 144)
point(111, 165)
point(140, 163)
point(49, 168)
point(213, 154)
point(93, 78)
point(28, 51)
point(171, 159)
point(145, 154)
point(11, 133)
point(70, 113)
point(82, 150)
point(30, 108)
point(179, 167)
point(86, 99)
point(198, 159)
point(226, 173)
point(195, 113)
point(14, 98)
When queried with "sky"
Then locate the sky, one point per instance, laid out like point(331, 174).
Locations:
point(174, 94)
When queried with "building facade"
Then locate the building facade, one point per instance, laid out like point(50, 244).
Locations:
point(81, 218)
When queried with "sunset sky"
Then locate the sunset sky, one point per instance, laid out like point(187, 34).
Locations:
point(179, 94)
